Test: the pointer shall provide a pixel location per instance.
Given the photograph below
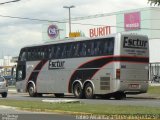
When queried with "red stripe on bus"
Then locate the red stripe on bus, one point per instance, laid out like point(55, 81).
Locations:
point(132, 59)
point(114, 62)
point(36, 72)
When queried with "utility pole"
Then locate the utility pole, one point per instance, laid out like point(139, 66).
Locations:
point(69, 7)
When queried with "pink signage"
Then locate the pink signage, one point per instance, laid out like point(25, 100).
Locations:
point(132, 21)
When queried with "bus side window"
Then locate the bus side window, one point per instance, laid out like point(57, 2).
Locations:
point(83, 51)
point(23, 56)
point(96, 50)
point(57, 52)
point(101, 47)
point(63, 53)
point(46, 52)
point(88, 48)
point(29, 55)
point(110, 47)
point(52, 54)
point(105, 51)
point(49, 52)
point(33, 54)
point(69, 52)
point(92, 48)
point(77, 50)
point(38, 53)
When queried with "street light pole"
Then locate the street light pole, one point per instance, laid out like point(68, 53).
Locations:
point(69, 8)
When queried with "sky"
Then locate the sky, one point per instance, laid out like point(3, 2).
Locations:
point(16, 33)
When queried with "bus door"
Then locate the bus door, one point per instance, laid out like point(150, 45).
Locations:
point(20, 75)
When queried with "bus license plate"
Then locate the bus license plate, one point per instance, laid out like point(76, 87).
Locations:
point(134, 86)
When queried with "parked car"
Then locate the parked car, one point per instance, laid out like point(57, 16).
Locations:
point(3, 87)
point(10, 80)
point(156, 79)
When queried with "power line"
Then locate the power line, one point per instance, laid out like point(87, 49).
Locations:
point(80, 18)
point(32, 19)
point(73, 19)
point(45, 20)
point(9, 2)
point(107, 14)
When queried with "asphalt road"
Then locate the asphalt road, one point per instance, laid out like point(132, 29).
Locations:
point(10, 113)
point(128, 101)
point(7, 113)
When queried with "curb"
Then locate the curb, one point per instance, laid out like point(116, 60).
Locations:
point(146, 96)
point(61, 101)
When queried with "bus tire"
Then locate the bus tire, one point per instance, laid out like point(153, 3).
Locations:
point(4, 95)
point(78, 91)
point(119, 95)
point(88, 91)
point(39, 95)
point(31, 90)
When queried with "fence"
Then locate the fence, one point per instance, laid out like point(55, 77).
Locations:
point(154, 72)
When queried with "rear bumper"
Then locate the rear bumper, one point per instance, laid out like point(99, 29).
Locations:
point(133, 87)
point(3, 90)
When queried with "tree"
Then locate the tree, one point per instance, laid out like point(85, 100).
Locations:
point(155, 2)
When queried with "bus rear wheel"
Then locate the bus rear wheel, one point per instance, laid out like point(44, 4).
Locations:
point(77, 90)
point(31, 90)
point(88, 91)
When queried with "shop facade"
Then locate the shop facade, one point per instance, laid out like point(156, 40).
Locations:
point(144, 21)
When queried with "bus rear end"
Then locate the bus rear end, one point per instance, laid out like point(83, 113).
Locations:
point(132, 69)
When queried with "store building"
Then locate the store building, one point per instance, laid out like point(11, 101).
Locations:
point(144, 21)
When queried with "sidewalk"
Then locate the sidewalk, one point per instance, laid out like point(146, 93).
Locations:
point(154, 84)
point(12, 91)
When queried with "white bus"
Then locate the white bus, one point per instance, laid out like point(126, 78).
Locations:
point(111, 66)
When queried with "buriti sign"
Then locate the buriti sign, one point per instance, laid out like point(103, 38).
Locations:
point(53, 31)
point(100, 31)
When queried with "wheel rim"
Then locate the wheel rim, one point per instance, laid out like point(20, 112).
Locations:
point(77, 90)
point(31, 90)
point(89, 91)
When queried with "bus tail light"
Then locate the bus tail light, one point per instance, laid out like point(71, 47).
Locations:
point(118, 73)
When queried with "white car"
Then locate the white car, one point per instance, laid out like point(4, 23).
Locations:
point(3, 87)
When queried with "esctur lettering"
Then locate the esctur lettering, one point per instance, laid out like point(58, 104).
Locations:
point(56, 64)
point(134, 43)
